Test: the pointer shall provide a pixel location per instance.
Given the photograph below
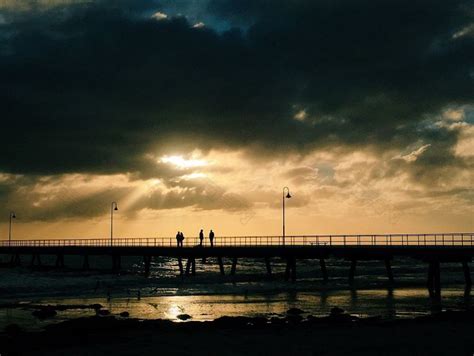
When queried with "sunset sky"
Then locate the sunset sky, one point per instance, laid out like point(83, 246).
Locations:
point(195, 114)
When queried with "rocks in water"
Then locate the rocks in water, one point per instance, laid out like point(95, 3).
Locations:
point(102, 312)
point(183, 317)
point(277, 321)
point(125, 314)
point(13, 329)
point(45, 312)
point(231, 321)
point(336, 311)
point(96, 306)
point(294, 311)
point(294, 319)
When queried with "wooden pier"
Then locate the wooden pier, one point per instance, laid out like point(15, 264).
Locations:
point(433, 249)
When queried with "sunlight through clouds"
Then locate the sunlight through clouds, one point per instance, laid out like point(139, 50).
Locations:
point(182, 163)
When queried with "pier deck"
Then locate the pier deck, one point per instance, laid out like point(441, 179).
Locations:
point(430, 248)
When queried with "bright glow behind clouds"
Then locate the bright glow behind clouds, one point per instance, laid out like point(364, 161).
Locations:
point(183, 163)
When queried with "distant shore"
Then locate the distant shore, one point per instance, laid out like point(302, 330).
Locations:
point(444, 333)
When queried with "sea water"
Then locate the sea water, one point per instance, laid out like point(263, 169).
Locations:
point(208, 295)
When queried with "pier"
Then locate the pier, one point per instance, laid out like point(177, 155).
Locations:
point(432, 249)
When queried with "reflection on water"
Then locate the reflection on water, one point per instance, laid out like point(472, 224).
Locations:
point(388, 303)
point(208, 295)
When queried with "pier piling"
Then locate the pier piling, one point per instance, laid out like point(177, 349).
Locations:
point(188, 266)
point(287, 269)
point(467, 274)
point(85, 262)
point(322, 264)
point(430, 282)
point(116, 263)
point(60, 261)
point(293, 270)
point(234, 266)
point(268, 266)
point(352, 271)
point(147, 262)
point(437, 279)
point(35, 260)
point(221, 265)
point(388, 267)
point(434, 279)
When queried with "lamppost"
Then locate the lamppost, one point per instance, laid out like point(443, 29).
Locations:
point(12, 216)
point(113, 207)
point(287, 196)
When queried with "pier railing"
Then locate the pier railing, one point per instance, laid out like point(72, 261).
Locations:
point(443, 239)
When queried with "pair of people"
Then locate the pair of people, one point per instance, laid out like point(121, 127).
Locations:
point(211, 237)
point(179, 239)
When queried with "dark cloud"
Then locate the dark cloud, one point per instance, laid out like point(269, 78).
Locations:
point(95, 87)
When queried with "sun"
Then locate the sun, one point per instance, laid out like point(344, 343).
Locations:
point(183, 163)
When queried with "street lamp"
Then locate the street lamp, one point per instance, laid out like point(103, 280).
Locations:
point(113, 207)
point(12, 216)
point(287, 196)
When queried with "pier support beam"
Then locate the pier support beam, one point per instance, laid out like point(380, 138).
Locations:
point(467, 274)
point(85, 262)
point(221, 265)
point(352, 271)
point(434, 279)
point(188, 266)
point(430, 282)
point(191, 266)
point(15, 260)
point(116, 263)
point(35, 260)
point(234, 266)
point(293, 269)
point(290, 271)
point(268, 266)
point(60, 261)
point(147, 263)
point(388, 267)
point(180, 265)
point(437, 279)
point(324, 271)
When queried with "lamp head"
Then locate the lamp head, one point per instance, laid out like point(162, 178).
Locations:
point(13, 216)
point(115, 207)
point(288, 196)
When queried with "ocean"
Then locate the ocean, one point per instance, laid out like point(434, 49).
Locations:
point(208, 295)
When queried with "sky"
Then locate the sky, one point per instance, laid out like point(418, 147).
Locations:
point(195, 114)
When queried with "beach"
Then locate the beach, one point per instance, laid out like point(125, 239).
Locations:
point(46, 311)
point(338, 334)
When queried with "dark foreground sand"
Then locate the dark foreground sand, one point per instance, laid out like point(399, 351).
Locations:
point(448, 333)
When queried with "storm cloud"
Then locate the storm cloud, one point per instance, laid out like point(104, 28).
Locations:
point(369, 102)
point(95, 86)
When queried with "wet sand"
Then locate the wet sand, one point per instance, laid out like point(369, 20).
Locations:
point(339, 334)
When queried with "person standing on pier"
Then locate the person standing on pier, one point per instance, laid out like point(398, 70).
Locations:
point(211, 237)
point(181, 238)
point(201, 237)
point(178, 238)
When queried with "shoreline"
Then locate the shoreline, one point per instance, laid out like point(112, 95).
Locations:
point(338, 333)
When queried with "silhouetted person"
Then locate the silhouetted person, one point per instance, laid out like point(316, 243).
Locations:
point(181, 238)
point(211, 237)
point(201, 237)
point(178, 238)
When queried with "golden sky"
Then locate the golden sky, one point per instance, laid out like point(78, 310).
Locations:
point(196, 114)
